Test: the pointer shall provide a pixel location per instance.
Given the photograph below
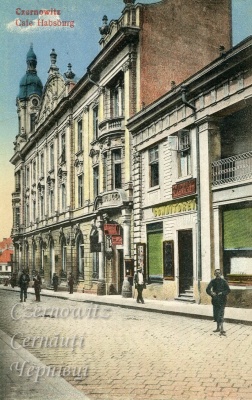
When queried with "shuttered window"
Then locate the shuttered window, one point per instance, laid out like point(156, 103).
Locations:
point(237, 226)
point(155, 256)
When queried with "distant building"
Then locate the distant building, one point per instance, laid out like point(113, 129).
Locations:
point(6, 254)
point(73, 155)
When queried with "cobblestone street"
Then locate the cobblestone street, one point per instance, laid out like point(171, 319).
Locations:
point(111, 353)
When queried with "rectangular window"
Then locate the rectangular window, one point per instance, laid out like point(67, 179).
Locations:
point(117, 97)
point(42, 208)
point(17, 216)
point(51, 157)
point(27, 214)
point(154, 166)
point(168, 254)
point(34, 210)
point(51, 201)
point(237, 229)
point(63, 148)
point(184, 157)
point(117, 169)
point(95, 122)
point(17, 182)
point(32, 121)
point(42, 165)
point(95, 274)
point(96, 181)
point(28, 176)
point(79, 136)
point(155, 251)
point(34, 172)
point(80, 191)
point(63, 196)
point(19, 125)
point(105, 172)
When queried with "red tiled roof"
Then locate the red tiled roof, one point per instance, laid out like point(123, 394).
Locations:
point(5, 257)
point(6, 243)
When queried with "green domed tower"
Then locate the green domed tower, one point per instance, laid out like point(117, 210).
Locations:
point(29, 96)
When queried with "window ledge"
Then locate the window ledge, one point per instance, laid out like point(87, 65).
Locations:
point(184, 178)
point(153, 188)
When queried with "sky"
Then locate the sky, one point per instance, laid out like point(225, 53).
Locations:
point(77, 45)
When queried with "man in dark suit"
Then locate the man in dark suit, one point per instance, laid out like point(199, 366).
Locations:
point(23, 282)
point(139, 284)
point(218, 289)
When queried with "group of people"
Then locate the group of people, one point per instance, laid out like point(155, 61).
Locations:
point(24, 281)
point(217, 288)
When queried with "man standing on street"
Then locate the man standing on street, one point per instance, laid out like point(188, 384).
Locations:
point(139, 284)
point(37, 286)
point(55, 282)
point(23, 283)
point(218, 289)
point(70, 283)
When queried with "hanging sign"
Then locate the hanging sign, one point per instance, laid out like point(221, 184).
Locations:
point(112, 229)
point(116, 240)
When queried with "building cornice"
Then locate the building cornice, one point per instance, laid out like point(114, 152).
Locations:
point(233, 62)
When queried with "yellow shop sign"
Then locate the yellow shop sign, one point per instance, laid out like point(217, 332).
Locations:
point(174, 208)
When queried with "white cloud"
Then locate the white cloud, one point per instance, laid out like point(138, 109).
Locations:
point(26, 24)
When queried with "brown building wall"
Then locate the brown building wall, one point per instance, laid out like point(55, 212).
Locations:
point(178, 38)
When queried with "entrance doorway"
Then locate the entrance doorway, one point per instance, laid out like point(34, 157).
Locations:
point(120, 269)
point(185, 252)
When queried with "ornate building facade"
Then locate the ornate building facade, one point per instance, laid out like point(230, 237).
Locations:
point(192, 175)
point(73, 197)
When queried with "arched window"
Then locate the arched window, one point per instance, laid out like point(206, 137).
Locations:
point(34, 247)
point(52, 258)
point(80, 256)
point(63, 247)
point(26, 247)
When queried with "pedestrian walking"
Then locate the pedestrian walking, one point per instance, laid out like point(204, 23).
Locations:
point(24, 280)
point(37, 286)
point(70, 283)
point(55, 282)
point(139, 284)
point(218, 289)
point(13, 280)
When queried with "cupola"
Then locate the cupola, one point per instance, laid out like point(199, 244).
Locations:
point(30, 83)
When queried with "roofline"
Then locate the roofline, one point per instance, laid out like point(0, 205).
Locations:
point(216, 69)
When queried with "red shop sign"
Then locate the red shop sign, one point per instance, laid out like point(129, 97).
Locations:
point(116, 240)
point(112, 229)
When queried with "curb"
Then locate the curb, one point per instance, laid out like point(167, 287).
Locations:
point(143, 308)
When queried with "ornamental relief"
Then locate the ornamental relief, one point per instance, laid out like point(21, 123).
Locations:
point(78, 166)
point(94, 154)
point(62, 176)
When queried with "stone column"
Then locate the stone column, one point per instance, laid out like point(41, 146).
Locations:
point(101, 288)
point(208, 151)
point(126, 220)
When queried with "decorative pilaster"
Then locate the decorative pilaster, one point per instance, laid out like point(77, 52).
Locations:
point(126, 221)
point(101, 288)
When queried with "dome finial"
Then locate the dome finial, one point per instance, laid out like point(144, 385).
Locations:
point(53, 68)
point(104, 29)
point(31, 59)
point(69, 74)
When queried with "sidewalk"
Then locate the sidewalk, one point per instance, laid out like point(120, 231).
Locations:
point(24, 377)
point(175, 307)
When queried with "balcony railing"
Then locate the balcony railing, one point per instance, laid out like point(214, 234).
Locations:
point(111, 125)
point(232, 169)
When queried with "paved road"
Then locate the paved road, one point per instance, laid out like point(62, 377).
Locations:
point(111, 353)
